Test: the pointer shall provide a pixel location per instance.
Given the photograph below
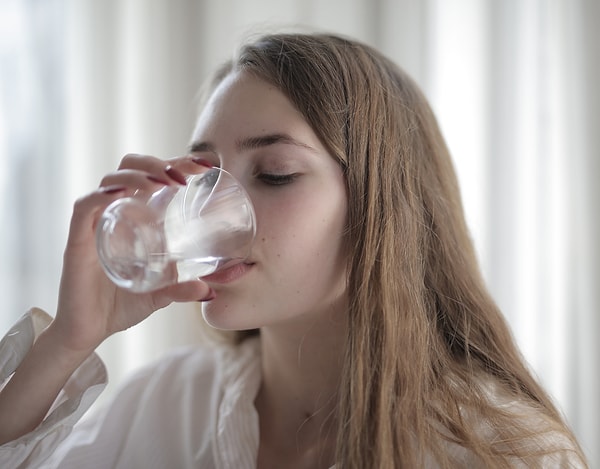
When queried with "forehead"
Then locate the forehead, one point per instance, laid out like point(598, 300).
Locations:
point(243, 103)
point(245, 91)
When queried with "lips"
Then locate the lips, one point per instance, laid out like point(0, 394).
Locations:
point(229, 274)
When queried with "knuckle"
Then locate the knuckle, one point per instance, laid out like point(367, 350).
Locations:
point(128, 160)
point(81, 203)
point(105, 180)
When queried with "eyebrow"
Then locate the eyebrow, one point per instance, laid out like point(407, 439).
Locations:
point(253, 143)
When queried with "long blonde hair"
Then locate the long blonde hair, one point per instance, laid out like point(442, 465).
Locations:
point(424, 335)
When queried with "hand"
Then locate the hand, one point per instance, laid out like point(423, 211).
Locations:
point(90, 306)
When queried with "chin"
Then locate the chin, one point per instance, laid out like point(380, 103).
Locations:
point(227, 316)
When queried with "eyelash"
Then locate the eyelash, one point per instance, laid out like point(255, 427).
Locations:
point(277, 179)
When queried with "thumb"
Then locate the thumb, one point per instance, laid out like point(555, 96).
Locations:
point(193, 290)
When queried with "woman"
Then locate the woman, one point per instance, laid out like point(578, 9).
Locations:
point(362, 332)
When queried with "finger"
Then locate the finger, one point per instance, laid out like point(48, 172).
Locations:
point(147, 163)
point(160, 169)
point(87, 209)
point(191, 164)
point(166, 172)
point(194, 290)
point(136, 180)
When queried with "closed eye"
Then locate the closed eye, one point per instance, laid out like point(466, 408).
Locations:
point(277, 179)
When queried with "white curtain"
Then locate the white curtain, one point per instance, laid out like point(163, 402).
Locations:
point(513, 84)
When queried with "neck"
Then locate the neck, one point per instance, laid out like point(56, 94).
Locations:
point(301, 367)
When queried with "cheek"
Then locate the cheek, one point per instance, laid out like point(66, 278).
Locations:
point(299, 223)
point(304, 240)
point(301, 265)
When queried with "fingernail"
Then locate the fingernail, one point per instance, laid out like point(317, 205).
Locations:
point(210, 296)
point(176, 175)
point(157, 180)
point(202, 161)
point(113, 189)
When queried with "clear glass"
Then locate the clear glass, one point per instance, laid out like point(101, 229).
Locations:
point(149, 241)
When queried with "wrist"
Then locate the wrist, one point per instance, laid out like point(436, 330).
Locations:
point(52, 342)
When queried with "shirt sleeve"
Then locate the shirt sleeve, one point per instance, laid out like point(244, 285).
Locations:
point(78, 394)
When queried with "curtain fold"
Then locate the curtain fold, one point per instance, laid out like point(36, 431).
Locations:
point(514, 84)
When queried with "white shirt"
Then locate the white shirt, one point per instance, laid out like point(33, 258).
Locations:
point(193, 409)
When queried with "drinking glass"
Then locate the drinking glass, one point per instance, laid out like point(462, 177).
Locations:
point(151, 240)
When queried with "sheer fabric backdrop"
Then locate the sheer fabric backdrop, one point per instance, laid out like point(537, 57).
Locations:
point(513, 84)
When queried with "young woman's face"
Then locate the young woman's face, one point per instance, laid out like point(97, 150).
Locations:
point(297, 266)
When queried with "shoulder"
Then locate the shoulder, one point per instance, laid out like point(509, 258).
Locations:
point(529, 429)
point(502, 428)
